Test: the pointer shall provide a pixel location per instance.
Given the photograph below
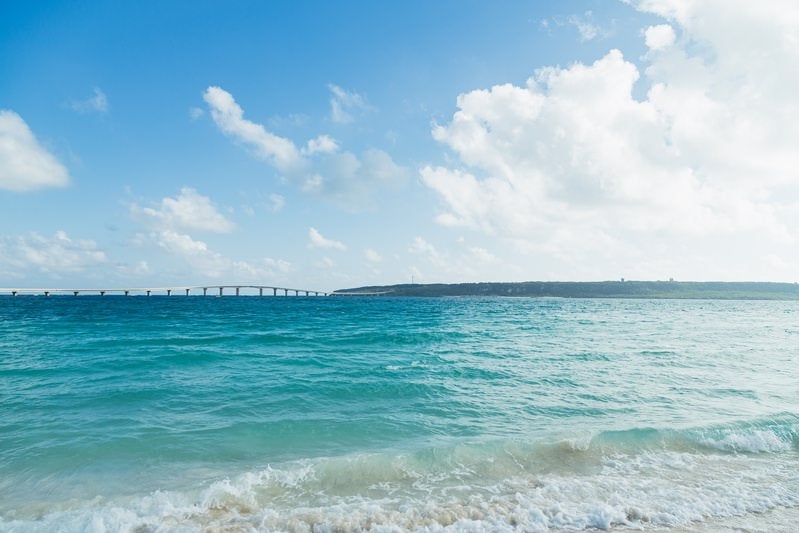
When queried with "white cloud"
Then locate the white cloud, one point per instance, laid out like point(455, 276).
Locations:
point(372, 256)
point(203, 262)
point(97, 103)
point(572, 165)
point(317, 240)
point(659, 37)
point(343, 104)
point(229, 117)
point(59, 254)
point(324, 144)
point(320, 167)
point(351, 181)
point(24, 164)
point(481, 255)
point(276, 202)
point(195, 113)
point(421, 246)
point(181, 244)
point(188, 211)
point(461, 263)
point(141, 268)
point(325, 263)
point(587, 29)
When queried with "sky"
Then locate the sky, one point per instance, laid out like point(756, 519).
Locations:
point(325, 145)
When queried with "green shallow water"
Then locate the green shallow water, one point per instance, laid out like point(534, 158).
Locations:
point(170, 413)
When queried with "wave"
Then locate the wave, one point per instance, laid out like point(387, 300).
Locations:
point(636, 478)
point(778, 433)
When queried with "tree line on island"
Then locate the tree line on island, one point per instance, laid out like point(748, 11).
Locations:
point(592, 289)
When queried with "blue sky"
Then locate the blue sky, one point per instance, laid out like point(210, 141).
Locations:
point(336, 144)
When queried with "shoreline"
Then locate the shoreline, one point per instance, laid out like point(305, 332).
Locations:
point(678, 290)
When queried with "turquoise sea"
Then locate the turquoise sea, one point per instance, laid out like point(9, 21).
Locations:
point(380, 414)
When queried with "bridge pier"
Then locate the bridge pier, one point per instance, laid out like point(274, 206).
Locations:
point(262, 291)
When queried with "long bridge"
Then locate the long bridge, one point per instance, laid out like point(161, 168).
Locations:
point(194, 290)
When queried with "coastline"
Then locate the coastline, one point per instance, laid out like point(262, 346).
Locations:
point(685, 290)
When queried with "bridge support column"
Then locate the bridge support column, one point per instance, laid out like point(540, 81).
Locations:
point(260, 291)
point(47, 293)
point(205, 291)
point(13, 293)
point(220, 291)
point(237, 290)
point(169, 292)
point(148, 293)
point(274, 292)
point(285, 292)
point(187, 292)
point(127, 293)
point(74, 293)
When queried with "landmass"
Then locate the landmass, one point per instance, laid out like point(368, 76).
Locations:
point(716, 290)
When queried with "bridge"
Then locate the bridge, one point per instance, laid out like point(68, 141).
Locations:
point(194, 290)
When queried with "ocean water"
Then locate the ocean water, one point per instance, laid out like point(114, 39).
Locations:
point(379, 414)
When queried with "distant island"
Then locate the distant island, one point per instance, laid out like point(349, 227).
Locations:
point(716, 290)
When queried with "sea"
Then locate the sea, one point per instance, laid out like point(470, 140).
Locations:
point(344, 414)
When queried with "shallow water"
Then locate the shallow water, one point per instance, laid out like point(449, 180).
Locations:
point(381, 414)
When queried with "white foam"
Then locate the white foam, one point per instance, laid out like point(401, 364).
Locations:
point(746, 441)
point(387, 494)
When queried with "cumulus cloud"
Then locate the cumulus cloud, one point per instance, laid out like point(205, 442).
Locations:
point(188, 211)
point(343, 104)
point(213, 265)
point(324, 144)
point(59, 254)
point(317, 240)
point(24, 164)
point(229, 117)
point(320, 167)
point(97, 103)
point(572, 164)
point(351, 181)
point(169, 226)
point(659, 37)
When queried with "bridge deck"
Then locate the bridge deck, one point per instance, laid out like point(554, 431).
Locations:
point(177, 289)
